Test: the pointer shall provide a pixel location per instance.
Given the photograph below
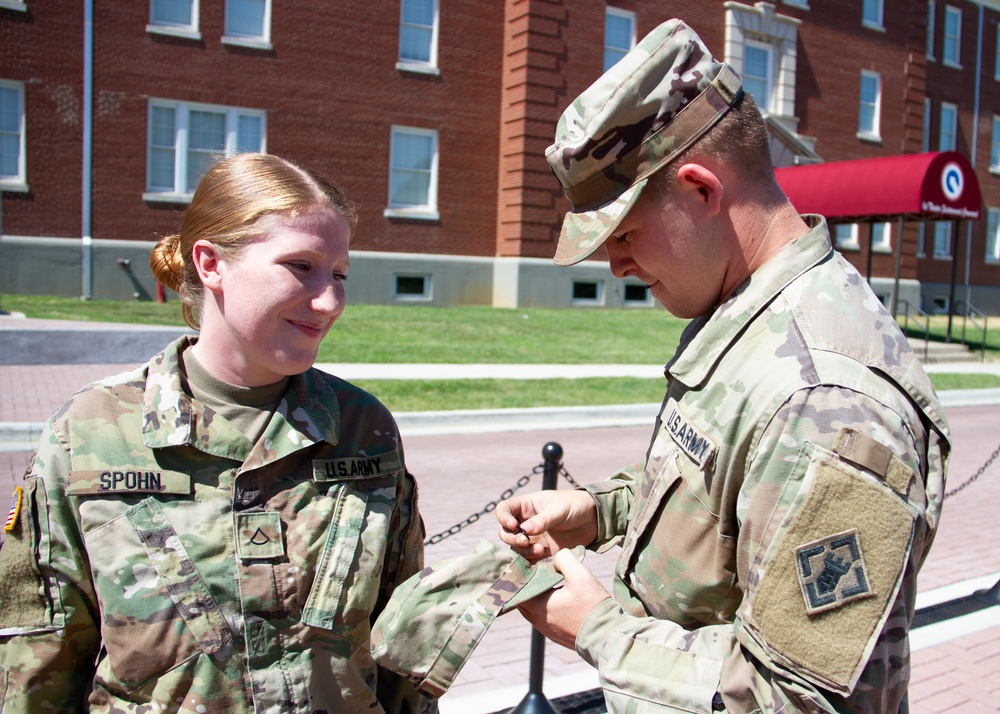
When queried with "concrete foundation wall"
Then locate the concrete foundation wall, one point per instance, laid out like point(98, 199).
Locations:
point(53, 266)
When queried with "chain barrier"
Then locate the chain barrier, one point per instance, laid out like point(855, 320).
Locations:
point(524, 480)
point(491, 505)
point(974, 476)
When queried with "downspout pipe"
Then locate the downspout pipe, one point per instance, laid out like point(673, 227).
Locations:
point(88, 107)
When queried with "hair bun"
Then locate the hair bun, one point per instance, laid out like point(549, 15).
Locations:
point(167, 261)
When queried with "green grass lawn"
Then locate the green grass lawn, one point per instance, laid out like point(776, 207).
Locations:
point(409, 334)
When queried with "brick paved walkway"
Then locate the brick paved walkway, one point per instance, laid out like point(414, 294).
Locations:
point(458, 474)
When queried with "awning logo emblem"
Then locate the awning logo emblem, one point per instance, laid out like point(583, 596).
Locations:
point(952, 181)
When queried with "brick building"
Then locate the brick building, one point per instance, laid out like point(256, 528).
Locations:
point(434, 116)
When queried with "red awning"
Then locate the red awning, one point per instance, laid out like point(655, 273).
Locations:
point(935, 186)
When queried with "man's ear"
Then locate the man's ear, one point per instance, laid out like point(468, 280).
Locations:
point(699, 181)
point(207, 262)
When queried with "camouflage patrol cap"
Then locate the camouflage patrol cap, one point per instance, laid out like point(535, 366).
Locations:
point(640, 115)
point(434, 620)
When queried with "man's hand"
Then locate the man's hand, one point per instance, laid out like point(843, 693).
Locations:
point(537, 525)
point(559, 613)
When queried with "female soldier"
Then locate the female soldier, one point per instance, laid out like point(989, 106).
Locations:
point(215, 530)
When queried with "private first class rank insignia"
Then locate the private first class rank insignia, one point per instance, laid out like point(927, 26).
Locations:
point(15, 510)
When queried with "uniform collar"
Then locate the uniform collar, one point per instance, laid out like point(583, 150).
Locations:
point(707, 338)
point(307, 413)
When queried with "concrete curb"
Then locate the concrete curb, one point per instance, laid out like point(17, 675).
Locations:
point(23, 436)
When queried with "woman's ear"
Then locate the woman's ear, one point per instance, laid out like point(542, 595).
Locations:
point(207, 262)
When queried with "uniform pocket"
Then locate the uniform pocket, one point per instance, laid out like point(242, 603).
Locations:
point(156, 611)
point(346, 586)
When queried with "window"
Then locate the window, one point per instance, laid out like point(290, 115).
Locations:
point(757, 63)
point(762, 45)
point(996, 61)
point(931, 10)
point(871, 14)
point(942, 239)
point(418, 30)
point(588, 292)
point(881, 238)
point(186, 139)
point(925, 139)
point(951, 51)
point(948, 129)
point(846, 236)
point(13, 5)
point(921, 240)
point(619, 35)
point(995, 146)
point(174, 17)
point(413, 163)
point(993, 235)
point(412, 287)
point(13, 176)
point(869, 105)
point(248, 23)
point(636, 294)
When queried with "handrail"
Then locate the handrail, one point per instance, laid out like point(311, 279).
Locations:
point(908, 308)
point(970, 313)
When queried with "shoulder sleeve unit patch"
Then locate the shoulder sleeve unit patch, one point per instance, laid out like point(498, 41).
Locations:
point(832, 571)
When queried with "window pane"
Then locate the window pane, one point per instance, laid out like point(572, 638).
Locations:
point(618, 31)
point(946, 139)
point(10, 110)
point(872, 12)
point(172, 12)
point(418, 12)
point(409, 188)
point(880, 236)
point(757, 74)
point(412, 151)
point(415, 43)
point(206, 143)
point(245, 18)
point(992, 239)
point(995, 148)
point(161, 169)
point(942, 239)
point(161, 148)
point(952, 32)
point(248, 134)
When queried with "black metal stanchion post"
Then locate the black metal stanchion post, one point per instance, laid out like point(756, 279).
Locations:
point(534, 701)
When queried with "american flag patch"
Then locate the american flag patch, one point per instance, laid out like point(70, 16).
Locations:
point(15, 509)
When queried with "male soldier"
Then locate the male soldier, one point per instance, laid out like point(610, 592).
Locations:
point(793, 485)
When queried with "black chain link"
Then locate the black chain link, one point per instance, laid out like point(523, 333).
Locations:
point(976, 475)
point(491, 506)
point(488, 508)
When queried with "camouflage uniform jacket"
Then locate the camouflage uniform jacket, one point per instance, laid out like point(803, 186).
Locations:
point(793, 486)
point(164, 562)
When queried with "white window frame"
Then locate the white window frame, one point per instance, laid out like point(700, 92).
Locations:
point(181, 193)
point(426, 296)
point(948, 127)
point(993, 236)
point(952, 59)
point(596, 282)
point(942, 235)
point(931, 27)
point(881, 237)
point(873, 14)
point(762, 23)
point(189, 32)
point(411, 65)
point(18, 183)
point(849, 241)
point(872, 133)
point(995, 146)
point(428, 211)
point(256, 42)
point(625, 15)
point(768, 105)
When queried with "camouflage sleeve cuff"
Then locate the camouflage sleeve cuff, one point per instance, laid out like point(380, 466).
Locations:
point(613, 499)
point(595, 630)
